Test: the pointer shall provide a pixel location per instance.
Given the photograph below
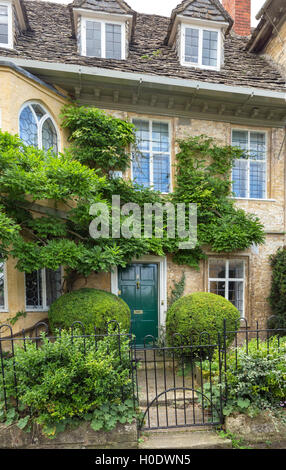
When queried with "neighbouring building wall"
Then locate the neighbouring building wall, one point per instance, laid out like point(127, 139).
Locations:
point(276, 49)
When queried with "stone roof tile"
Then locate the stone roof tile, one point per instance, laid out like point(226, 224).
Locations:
point(51, 40)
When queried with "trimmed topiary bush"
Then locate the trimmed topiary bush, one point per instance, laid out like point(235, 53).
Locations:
point(92, 307)
point(200, 312)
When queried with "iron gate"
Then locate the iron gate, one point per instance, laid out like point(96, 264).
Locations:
point(176, 386)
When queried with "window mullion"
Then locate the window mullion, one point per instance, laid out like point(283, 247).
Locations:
point(151, 176)
point(226, 279)
point(44, 289)
point(248, 168)
point(200, 46)
point(103, 40)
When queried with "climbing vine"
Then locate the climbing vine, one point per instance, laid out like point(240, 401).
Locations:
point(71, 182)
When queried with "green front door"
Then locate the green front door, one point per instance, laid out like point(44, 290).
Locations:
point(138, 287)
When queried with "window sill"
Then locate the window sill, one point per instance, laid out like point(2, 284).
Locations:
point(253, 199)
point(200, 67)
point(36, 310)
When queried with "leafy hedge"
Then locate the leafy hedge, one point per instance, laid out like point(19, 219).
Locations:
point(92, 307)
point(256, 378)
point(198, 313)
point(69, 381)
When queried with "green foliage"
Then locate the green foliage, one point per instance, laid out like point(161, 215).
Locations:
point(98, 140)
point(92, 307)
point(277, 298)
point(69, 381)
point(178, 290)
point(203, 172)
point(198, 313)
point(71, 182)
point(255, 378)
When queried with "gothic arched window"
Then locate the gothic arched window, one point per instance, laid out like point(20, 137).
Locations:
point(37, 127)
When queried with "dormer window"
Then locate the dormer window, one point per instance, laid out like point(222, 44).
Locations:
point(201, 47)
point(197, 30)
point(103, 39)
point(6, 25)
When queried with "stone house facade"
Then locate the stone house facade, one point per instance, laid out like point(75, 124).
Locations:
point(201, 71)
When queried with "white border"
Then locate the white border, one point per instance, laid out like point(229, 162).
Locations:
point(249, 131)
point(44, 307)
point(10, 25)
point(103, 36)
point(200, 52)
point(228, 279)
point(151, 176)
point(40, 123)
point(162, 283)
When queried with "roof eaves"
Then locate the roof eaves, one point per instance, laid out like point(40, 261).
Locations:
point(25, 73)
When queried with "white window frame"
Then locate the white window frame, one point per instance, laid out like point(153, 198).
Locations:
point(103, 36)
point(10, 25)
point(199, 64)
point(248, 160)
point(5, 308)
point(40, 123)
point(151, 168)
point(228, 279)
point(44, 307)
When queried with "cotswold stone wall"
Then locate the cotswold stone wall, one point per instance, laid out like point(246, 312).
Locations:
point(18, 90)
point(275, 49)
point(83, 437)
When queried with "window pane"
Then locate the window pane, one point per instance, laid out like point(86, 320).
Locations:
point(49, 136)
point(113, 41)
point(160, 137)
point(217, 269)
point(161, 171)
point(141, 169)
point(257, 146)
point(236, 269)
point(217, 288)
point(33, 282)
point(257, 180)
point(2, 286)
point(38, 111)
point(210, 44)
point(53, 285)
point(93, 39)
point(239, 177)
point(142, 135)
point(3, 24)
point(28, 127)
point(192, 45)
point(235, 295)
point(240, 139)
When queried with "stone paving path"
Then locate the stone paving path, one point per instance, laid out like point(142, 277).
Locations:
point(176, 407)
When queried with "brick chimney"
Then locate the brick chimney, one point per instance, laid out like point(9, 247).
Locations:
point(240, 11)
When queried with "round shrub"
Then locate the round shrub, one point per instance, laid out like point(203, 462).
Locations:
point(200, 312)
point(92, 307)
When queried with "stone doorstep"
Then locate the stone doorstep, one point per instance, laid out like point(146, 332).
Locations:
point(193, 439)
